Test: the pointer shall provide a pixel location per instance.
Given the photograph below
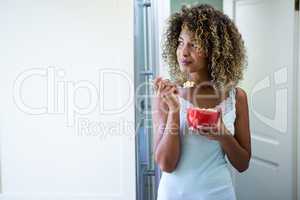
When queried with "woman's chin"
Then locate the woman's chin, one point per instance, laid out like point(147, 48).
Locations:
point(186, 68)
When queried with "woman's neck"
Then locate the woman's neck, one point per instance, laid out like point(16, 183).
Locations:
point(199, 77)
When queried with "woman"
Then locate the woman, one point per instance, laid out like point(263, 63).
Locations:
point(203, 46)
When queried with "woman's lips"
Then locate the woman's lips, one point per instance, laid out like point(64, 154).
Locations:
point(184, 62)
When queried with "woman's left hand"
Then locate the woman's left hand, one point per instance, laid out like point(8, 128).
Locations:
point(214, 132)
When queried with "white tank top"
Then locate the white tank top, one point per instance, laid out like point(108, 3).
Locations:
point(202, 172)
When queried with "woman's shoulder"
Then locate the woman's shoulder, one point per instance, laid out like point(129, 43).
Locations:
point(240, 94)
point(241, 100)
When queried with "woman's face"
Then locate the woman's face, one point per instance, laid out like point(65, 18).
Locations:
point(189, 57)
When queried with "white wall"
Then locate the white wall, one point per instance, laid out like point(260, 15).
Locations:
point(56, 139)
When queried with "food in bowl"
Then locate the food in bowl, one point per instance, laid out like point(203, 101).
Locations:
point(202, 116)
point(188, 84)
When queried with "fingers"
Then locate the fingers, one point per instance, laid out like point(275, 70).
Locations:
point(167, 82)
point(166, 94)
point(164, 86)
point(159, 80)
point(160, 86)
point(156, 80)
point(220, 110)
point(205, 129)
point(169, 91)
point(174, 90)
point(209, 130)
point(156, 83)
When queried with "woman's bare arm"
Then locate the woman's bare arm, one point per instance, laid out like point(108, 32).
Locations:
point(238, 148)
point(166, 135)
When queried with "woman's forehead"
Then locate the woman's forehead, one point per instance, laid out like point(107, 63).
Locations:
point(187, 35)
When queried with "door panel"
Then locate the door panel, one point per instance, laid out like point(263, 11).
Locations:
point(67, 116)
point(267, 28)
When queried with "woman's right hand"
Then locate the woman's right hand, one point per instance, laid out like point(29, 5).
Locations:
point(167, 93)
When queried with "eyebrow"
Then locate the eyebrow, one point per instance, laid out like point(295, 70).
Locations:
point(181, 38)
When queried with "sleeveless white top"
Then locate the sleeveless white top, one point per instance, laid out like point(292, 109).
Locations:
point(202, 172)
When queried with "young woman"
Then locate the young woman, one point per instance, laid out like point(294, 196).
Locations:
point(203, 46)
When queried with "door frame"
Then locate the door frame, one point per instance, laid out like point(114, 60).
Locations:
point(162, 10)
point(296, 99)
point(297, 82)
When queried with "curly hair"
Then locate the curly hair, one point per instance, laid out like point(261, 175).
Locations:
point(218, 38)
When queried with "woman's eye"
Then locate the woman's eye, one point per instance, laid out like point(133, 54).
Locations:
point(180, 42)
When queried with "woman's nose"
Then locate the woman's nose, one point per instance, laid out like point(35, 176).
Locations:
point(185, 51)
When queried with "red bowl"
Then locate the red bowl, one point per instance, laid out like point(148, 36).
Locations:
point(202, 116)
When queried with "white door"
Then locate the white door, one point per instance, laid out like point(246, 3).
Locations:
point(267, 28)
point(67, 116)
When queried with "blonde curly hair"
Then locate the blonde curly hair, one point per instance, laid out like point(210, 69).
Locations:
point(218, 38)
